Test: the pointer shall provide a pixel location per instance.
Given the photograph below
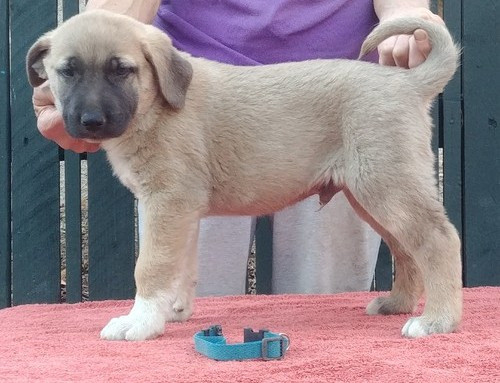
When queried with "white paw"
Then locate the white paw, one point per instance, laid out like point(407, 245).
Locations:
point(145, 321)
point(415, 328)
point(132, 327)
point(422, 326)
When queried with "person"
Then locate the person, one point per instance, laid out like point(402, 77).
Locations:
point(314, 251)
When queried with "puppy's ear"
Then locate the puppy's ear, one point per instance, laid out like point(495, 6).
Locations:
point(34, 61)
point(172, 71)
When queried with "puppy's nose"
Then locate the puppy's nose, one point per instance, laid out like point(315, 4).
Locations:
point(92, 120)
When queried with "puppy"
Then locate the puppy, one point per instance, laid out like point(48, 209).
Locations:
point(191, 138)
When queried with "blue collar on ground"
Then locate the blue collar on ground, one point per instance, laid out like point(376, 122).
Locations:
point(262, 344)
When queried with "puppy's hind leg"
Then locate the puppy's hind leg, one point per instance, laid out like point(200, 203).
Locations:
point(406, 290)
point(425, 241)
point(407, 287)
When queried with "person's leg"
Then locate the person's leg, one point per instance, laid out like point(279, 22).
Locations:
point(322, 251)
point(223, 249)
point(224, 245)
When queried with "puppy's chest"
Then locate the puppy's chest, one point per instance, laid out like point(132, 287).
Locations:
point(123, 169)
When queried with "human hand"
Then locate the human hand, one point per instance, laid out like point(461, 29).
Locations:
point(51, 125)
point(407, 51)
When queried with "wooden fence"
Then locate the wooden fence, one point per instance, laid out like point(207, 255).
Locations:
point(466, 118)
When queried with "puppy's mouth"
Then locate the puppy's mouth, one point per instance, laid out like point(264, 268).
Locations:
point(94, 134)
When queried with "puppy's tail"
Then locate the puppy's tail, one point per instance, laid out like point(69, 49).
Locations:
point(432, 75)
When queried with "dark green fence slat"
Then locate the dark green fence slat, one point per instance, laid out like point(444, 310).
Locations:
point(70, 8)
point(72, 181)
point(434, 6)
point(264, 255)
point(35, 169)
point(111, 233)
point(481, 87)
point(5, 237)
point(383, 269)
point(453, 128)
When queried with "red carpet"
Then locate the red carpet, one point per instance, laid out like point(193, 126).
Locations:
point(332, 340)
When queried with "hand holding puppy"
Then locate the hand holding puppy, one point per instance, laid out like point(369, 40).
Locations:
point(407, 51)
point(50, 122)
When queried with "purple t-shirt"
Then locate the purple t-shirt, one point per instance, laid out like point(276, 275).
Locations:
point(252, 32)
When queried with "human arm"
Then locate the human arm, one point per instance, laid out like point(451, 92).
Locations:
point(403, 50)
point(49, 120)
point(142, 10)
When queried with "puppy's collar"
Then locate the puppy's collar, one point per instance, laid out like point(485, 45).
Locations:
point(262, 344)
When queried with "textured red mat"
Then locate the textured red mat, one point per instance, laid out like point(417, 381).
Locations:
point(331, 340)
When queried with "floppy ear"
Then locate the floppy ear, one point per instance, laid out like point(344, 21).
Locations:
point(172, 71)
point(34, 61)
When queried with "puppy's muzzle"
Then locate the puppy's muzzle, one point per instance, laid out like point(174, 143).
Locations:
point(92, 120)
point(93, 123)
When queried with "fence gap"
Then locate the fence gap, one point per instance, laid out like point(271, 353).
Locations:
point(5, 158)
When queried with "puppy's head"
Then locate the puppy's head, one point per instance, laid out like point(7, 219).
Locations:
point(105, 70)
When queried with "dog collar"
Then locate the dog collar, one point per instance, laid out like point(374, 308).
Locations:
point(262, 344)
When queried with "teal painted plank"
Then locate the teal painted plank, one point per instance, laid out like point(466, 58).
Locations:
point(111, 233)
point(35, 169)
point(453, 128)
point(383, 269)
point(70, 8)
point(434, 6)
point(481, 89)
point(264, 255)
point(73, 201)
point(5, 234)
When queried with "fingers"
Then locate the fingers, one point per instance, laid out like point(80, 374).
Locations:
point(50, 123)
point(405, 51)
point(88, 147)
point(395, 51)
point(400, 52)
point(419, 48)
point(77, 146)
point(385, 51)
point(408, 51)
point(42, 96)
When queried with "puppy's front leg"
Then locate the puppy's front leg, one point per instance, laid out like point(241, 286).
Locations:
point(165, 273)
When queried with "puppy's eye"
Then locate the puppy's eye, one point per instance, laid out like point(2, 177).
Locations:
point(120, 68)
point(67, 72)
point(124, 70)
